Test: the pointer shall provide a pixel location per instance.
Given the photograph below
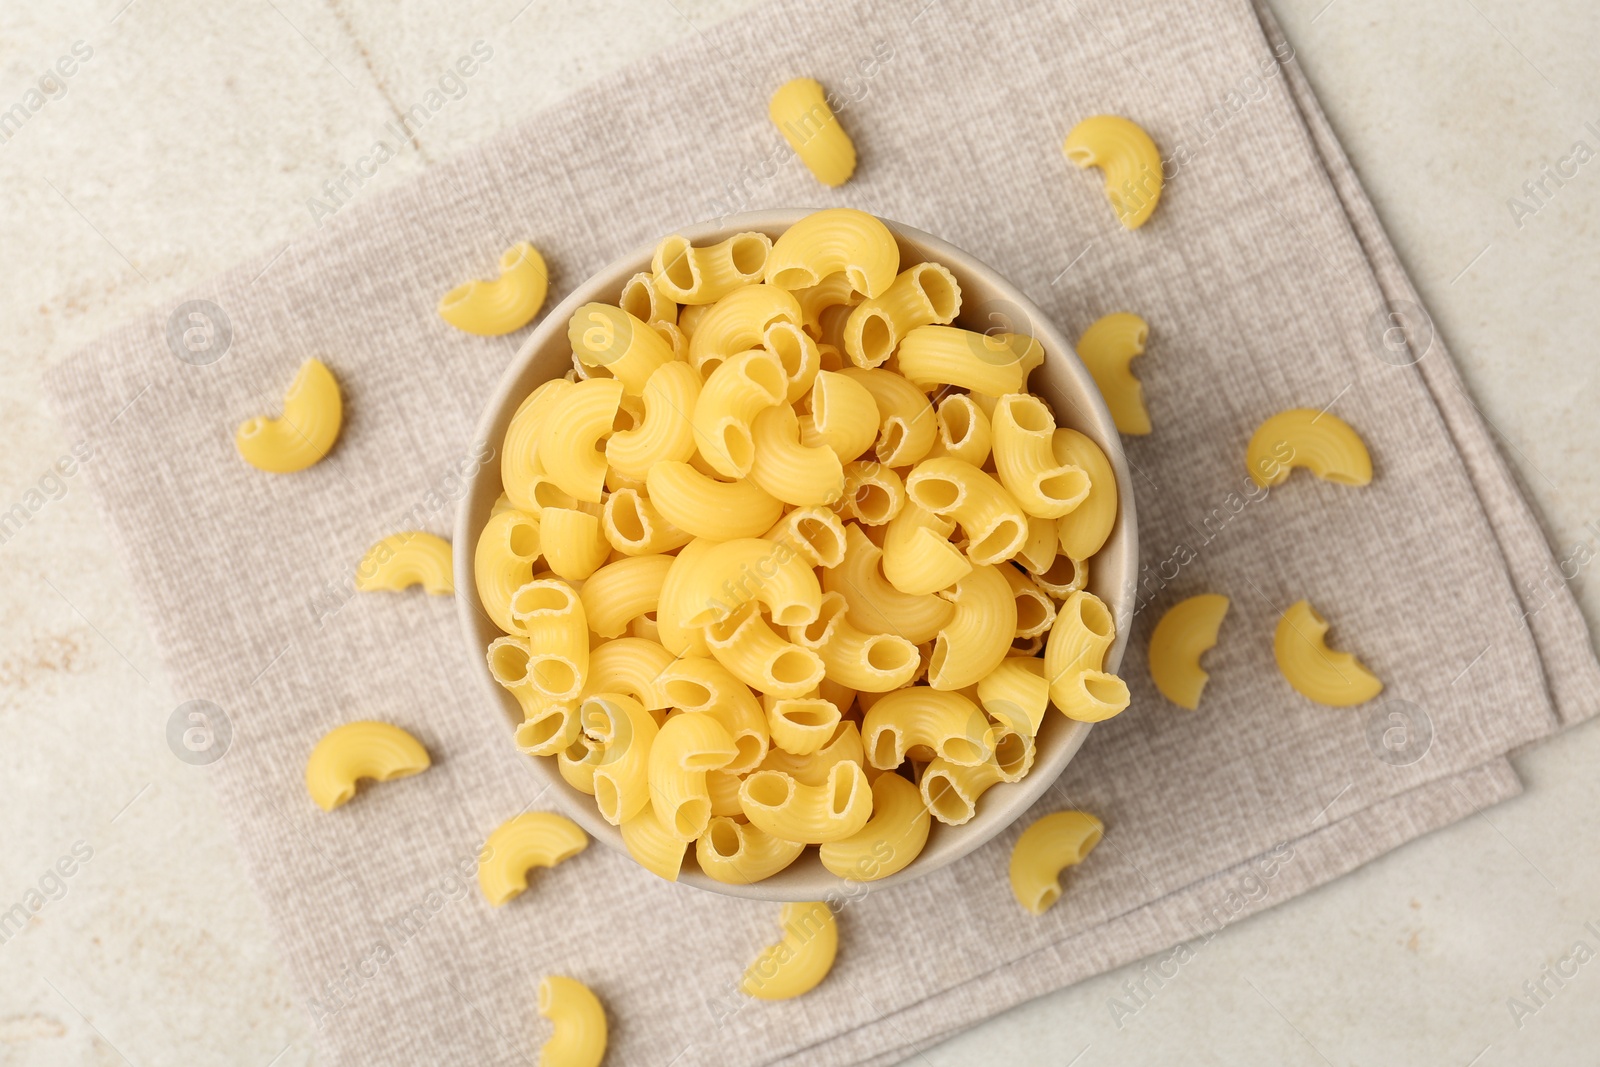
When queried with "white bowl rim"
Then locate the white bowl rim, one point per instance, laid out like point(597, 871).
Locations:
point(807, 879)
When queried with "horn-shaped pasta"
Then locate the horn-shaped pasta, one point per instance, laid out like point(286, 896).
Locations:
point(738, 322)
point(1079, 638)
point(993, 364)
point(799, 962)
point(921, 295)
point(503, 562)
point(891, 839)
point(697, 276)
point(800, 357)
point(356, 750)
point(723, 788)
point(995, 524)
point(964, 431)
point(739, 854)
point(843, 416)
point(1089, 696)
point(866, 662)
point(1051, 844)
point(612, 342)
point(702, 686)
point(946, 724)
point(312, 413)
point(1316, 671)
point(1187, 630)
point(570, 434)
point(1128, 159)
point(527, 486)
point(687, 746)
point(1322, 443)
point(1083, 530)
point(719, 581)
point(667, 430)
point(402, 560)
point(835, 239)
point(906, 422)
point(872, 493)
point(918, 557)
point(844, 747)
point(951, 791)
point(578, 762)
point(504, 305)
point(573, 541)
point(793, 472)
point(551, 726)
point(1107, 347)
point(801, 725)
point(652, 845)
point(620, 592)
point(876, 606)
point(812, 814)
point(1017, 691)
point(633, 526)
point(744, 643)
point(1036, 612)
point(625, 731)
point(979, 634)
point(532, 839)
point(1025, 459)
point(642, 299)
point(1041, 546)
point(800, 111)
point(632, 666)
point(580, 1023)
point(677, 601)
point(551, 614)
point(738, 390)
point(1064, 576)
point(705, 507)
point(814, 532)
point(833, 291)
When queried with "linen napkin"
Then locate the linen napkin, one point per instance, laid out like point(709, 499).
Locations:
point(1268, 284)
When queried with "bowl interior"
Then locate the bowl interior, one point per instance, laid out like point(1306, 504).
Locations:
point(989, 302)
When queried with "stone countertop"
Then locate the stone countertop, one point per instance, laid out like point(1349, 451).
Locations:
point(189, 136)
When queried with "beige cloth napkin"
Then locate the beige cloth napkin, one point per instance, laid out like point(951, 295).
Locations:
point(1268, 284)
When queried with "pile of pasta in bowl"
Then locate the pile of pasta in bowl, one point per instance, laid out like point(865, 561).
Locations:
point(790, 559)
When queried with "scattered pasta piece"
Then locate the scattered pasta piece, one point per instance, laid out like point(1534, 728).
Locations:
point(1322, 443)
point(1316, 671)
point(312, 413)
point(532, 839)
point(799, 962)
point(579, 1021)
point(402, 560)
point(800, 110)
point(1106, 348)
point(357, 750)
point(1188, 629)
point(1128, 159)
point(1053, 843)
point(504, 305)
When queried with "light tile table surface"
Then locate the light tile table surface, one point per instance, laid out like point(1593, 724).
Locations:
point(191, 135)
